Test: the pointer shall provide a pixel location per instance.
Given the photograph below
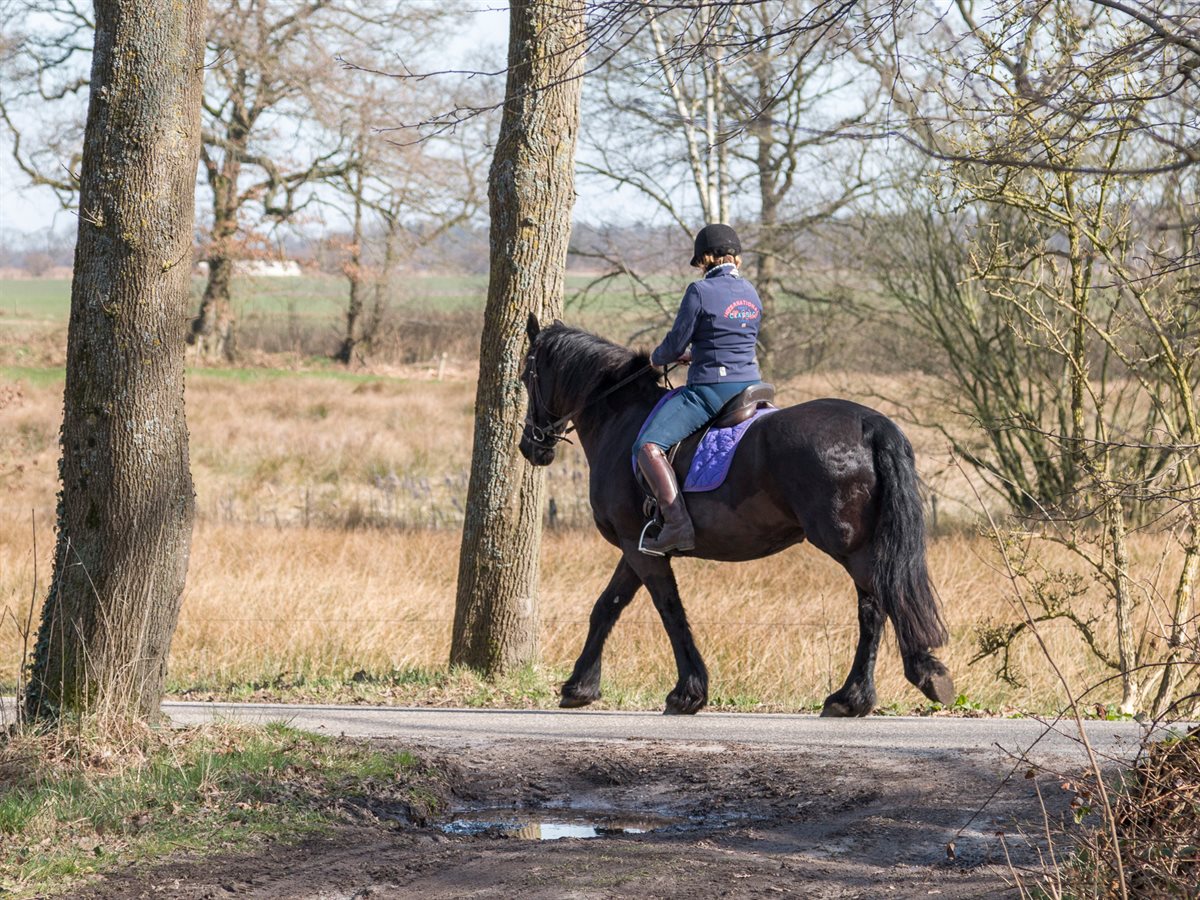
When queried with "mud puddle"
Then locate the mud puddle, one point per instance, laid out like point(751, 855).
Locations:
point(586, 816)
point(554, 825)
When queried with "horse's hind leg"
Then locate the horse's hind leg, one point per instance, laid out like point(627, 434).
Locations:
point(583, 686)
point(857, 696)
point(690, 694)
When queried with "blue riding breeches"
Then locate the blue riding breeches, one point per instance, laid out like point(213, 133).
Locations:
point(688, 411)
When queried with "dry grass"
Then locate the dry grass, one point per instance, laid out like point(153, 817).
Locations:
point(778, 632)
point(375, 466)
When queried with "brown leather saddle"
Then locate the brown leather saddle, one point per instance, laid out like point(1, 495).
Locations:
point(740, 408)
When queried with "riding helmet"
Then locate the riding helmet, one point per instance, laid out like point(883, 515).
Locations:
point(717, 239)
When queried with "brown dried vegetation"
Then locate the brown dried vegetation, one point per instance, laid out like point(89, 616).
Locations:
point(326, 548)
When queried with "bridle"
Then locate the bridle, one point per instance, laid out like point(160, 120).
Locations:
point(547, 437)
point(556, 432)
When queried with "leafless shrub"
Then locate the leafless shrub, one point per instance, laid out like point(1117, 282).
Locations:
point(1158, 820)
point(1148, 845)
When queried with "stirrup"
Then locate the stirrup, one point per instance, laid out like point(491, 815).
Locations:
point(642, 548)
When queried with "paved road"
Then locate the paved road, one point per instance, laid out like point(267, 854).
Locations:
point(883, 734)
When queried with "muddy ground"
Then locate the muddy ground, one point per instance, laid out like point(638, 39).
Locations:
point(728, 820)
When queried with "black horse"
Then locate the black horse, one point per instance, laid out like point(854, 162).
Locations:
point(830, 471)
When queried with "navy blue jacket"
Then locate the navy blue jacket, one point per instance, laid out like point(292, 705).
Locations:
point(719, 316)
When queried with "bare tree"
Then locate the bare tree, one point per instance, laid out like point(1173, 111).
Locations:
point(746, 128)
point(403, 194)
point(531, 191)
point(1066, 323)
point(125, 512)
point(269, 142)
point(44, 62)
point(266, 143)
point(1135, 65)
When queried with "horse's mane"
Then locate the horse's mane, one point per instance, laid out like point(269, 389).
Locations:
point(585, 363)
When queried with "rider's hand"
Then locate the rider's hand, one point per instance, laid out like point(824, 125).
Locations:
point(685, 358)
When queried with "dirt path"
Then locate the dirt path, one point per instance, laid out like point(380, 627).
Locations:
point(731, 820)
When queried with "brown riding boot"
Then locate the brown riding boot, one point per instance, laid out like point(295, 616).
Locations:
point(677, 533)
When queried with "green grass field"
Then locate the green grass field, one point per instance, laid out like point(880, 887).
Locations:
point(427, 317)
point(310, 297)
point(49, 300)
point(39, 299)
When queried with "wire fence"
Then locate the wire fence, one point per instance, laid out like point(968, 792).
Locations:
point(556, 621)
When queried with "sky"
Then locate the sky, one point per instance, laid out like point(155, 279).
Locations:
point(27, 209)
point(484, 36)
point(24, 208)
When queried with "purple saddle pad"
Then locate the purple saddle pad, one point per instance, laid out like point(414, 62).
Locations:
point(714, 455)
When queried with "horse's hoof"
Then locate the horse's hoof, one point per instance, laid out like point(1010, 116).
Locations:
point(836, 710)
point(684, 706)
point(573, 698)
point(674, 711)
point(931, 678)
point(853, 702)
point(939, 687)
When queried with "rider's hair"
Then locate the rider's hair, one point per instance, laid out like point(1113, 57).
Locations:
point(711, 260)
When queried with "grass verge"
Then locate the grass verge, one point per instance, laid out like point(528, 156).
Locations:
point(530, 687)
point(73, 805)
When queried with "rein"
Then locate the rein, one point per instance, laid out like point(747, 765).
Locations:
point(557, 431)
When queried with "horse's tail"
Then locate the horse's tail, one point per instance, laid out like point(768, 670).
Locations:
point(902, 582)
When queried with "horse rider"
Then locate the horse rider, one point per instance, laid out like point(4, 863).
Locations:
point(719, 318)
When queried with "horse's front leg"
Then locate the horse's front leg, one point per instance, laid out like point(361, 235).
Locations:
point(690, 694)
point(583, 687)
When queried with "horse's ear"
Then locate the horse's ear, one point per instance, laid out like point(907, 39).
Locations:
point(558, 321)
point(532, 327)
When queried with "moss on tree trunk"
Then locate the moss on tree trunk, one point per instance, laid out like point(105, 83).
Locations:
point(126, 506)
point(531, 192)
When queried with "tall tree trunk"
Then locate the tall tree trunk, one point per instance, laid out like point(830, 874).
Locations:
point(531, 192)
point(1127, 651)
point(354, 273)
point(381, 289)
point(214, 330)
point(1078, 370)
point(125, 511)
point(767, 271)
point(1182, 619)
point(354, 314)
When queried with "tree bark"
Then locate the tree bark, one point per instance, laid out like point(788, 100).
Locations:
point(1127, 651)
point(354, 274)
point(531, 192)
point(1182, 619)
point(125, 511)
point(214, 330)
point(767, 275)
